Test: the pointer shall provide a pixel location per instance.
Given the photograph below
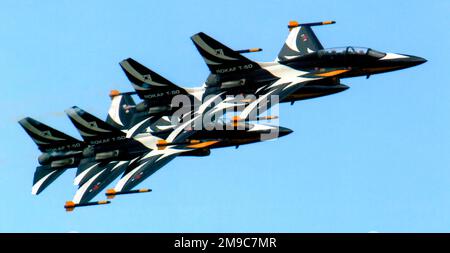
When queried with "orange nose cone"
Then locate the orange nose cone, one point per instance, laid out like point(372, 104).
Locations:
point(328, 22)
point(69, 206)
point(110, 192)
point(293, 24)
point(114, 93)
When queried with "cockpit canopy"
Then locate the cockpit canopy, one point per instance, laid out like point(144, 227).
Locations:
point(351, 51)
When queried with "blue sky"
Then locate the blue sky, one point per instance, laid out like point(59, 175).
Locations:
point(373, 158)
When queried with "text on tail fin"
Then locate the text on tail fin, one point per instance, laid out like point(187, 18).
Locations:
point(220, 58)
point(91, 128)
point(48, 138)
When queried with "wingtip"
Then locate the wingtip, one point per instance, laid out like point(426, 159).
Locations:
point(110, 193)
point(69, 206)
point(114, 93)
point(71, 109)
point(23, 121)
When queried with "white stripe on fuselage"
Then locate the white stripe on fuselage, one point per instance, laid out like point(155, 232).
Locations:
point(392, 56)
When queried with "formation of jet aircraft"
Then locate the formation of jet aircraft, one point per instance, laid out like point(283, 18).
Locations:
point(137, 139)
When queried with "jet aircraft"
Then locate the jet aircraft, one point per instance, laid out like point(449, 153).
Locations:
point(235, 74)
point(106, 152)
point(139, 139)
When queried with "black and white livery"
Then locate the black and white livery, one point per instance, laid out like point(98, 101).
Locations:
point(139, 138)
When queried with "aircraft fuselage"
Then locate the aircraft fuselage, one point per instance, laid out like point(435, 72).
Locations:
point(360, 61)
point(128, 149)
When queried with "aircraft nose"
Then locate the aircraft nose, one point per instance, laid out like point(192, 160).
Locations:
point(403, 60)
point(415, 60)
point(284, 131)
point(391, 61)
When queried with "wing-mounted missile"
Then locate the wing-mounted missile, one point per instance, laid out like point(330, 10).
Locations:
point(293, 23)
point(70, 206)
point(250, 50)
point(111, 193)
point(115, 93)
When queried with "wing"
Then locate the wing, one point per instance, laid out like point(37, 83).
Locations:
point(145, 167)
point(44, 176)
point(104, 174)
point(86, 169)
point(174, 145)
point(154, 160)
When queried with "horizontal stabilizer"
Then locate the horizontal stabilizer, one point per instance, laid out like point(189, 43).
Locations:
point(49, 139)
point(93, 129)
point(220, 58)
point(149, 85)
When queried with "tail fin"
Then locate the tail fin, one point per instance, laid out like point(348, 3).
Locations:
point(93, 129)
point(121, 111)
point(49, 139)
point(149, 85)
point(301, 40)
point(220, 58)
